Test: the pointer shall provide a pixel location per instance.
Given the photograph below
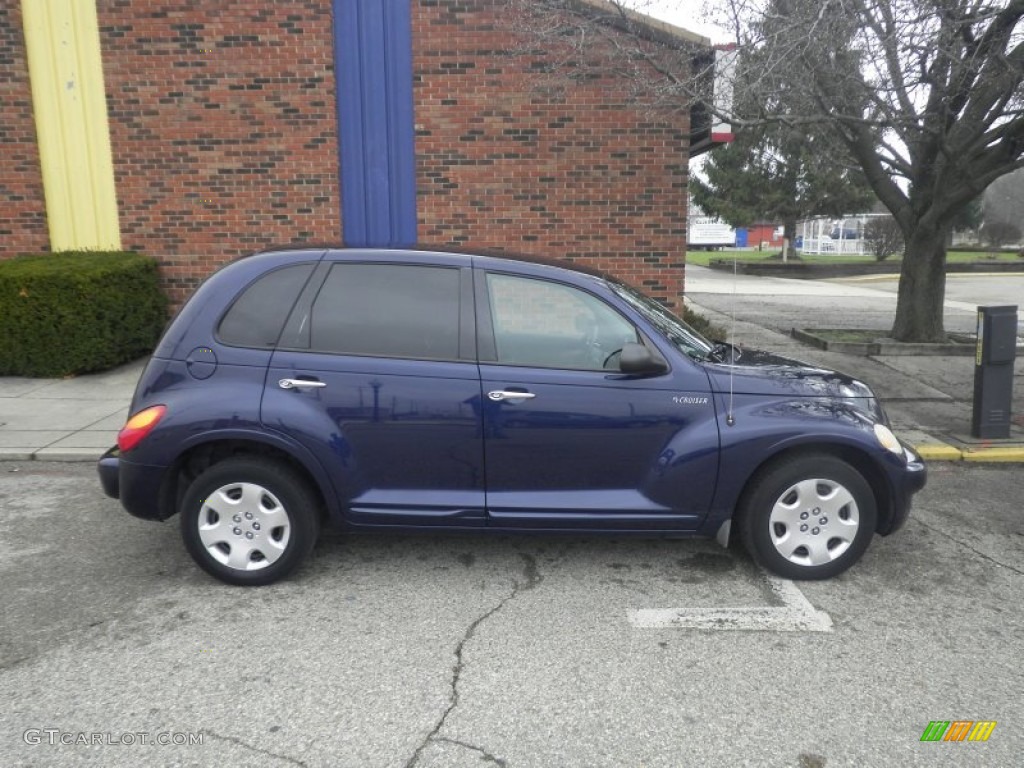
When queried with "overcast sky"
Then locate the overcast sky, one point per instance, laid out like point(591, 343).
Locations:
point(691, 15)
point(688, 14)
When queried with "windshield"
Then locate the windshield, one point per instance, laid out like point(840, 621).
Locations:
point(687, 340)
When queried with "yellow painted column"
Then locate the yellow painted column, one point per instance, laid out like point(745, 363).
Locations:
point(62, 41)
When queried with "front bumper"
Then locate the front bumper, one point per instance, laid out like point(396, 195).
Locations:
point(906, 482)
point(136, 486)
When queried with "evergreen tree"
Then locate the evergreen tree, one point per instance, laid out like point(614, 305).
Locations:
point(779, 174)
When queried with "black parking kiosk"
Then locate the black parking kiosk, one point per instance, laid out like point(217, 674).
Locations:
point(993, 371)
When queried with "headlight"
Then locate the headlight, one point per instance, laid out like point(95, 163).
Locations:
point(888, 439)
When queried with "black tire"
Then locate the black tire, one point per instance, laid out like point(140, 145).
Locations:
point(780, 517)
point(271, 531)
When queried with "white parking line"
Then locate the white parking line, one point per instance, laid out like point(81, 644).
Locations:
point(795, 615)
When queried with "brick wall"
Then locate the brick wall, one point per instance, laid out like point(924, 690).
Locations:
point(224, 136)
point(22, 208)
point(223, 128)
point(580, 172)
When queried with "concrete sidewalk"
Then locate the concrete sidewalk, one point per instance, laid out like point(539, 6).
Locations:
point(927, 398)
point(73, 419)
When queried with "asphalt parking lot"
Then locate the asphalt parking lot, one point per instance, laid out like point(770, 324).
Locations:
point(511, 651)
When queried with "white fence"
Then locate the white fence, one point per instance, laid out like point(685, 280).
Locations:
point(825, 235)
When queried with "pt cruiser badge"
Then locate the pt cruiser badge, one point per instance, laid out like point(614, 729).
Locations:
point(689, 400)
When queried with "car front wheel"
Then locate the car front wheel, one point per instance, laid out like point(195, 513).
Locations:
point(808, 517)
point(249, 521)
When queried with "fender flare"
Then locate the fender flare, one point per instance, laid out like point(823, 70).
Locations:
point(298, 452)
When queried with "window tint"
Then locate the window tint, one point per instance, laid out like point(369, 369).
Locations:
point(390, 310)
point(256, 317)
point(551, 325)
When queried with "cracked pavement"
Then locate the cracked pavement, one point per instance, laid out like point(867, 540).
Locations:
point(531, 579)
point(456, 651)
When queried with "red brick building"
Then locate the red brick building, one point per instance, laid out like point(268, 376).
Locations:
point(764, 235)
point(224, 136)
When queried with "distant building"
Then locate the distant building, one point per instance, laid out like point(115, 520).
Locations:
point(761, 235)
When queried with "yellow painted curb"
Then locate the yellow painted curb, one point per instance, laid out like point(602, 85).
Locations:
point(938, 452)
point(984, 274)
point(890, 276)
point(995, 453)
point(870, 278)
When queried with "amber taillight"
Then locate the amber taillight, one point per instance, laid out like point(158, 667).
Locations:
point(138, 426)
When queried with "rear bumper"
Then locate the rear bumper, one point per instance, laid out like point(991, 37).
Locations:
point(136, 486)
point(109, 473)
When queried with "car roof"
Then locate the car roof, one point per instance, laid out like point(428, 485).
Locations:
point(485, 253)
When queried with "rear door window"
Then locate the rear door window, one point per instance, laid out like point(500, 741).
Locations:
point(388, 310)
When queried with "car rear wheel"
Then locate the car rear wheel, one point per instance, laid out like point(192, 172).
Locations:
point(808, 517)
point(249, 521)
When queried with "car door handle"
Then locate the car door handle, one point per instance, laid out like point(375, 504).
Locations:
point(499, 395)
point(299, 383)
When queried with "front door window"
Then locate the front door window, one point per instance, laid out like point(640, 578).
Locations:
point(549, 325)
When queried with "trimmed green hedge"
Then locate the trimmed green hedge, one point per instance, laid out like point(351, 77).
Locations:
point(703, 326)
point(66, 313)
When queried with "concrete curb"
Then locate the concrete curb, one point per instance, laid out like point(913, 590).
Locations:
point(1000, 453)
point(13, 454)
point(896, 276)
point(817, 270)
point(63, 455)
point(882, 346)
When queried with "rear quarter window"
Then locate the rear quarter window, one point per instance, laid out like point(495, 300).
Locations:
point(256, 317)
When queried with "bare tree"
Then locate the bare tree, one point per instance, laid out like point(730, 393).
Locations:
point(883, 236)
point(925, 95)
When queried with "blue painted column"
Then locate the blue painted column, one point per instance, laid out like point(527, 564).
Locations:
point(373, 69)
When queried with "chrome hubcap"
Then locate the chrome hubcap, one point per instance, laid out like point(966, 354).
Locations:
point(244, 526)
point(814, 521)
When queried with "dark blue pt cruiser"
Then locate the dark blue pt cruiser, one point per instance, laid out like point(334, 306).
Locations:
point(408, 390)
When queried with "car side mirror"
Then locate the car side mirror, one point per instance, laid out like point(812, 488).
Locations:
point(638, 359)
